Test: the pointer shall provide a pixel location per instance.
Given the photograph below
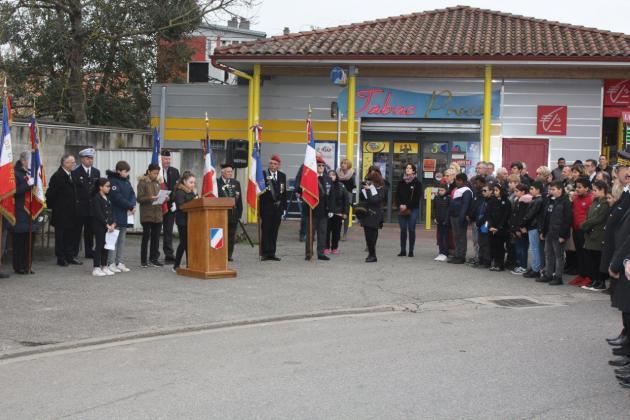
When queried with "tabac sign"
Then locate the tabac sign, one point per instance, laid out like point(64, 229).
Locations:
point(552, 120)
point(379, 102)
point(617, 92)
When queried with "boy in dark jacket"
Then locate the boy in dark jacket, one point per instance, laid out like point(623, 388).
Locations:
point(529, 227)
point(458, 210)
point(123, 199)
point(555, 231)
point(498, 214)
point(441, 203)
point(481, 224)
point(519, 210)
point(477, 182)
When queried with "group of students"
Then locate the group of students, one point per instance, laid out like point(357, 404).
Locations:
point(82, 201)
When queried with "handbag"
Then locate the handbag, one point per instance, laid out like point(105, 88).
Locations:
point(360, 210)
point(405, 212)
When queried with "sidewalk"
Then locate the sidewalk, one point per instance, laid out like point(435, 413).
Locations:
point(59, 305)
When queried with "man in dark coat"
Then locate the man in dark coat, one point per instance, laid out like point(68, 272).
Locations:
point(63, 198)
point(23, 221)
point(170, 176)
point(85, 176)
point(273, 202)
point(230, 187)
point(320, 214)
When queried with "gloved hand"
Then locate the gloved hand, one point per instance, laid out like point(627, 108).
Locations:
point(30, 181)
point(173, 208)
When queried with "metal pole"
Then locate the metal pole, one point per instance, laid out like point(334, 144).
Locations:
point(258, 228)
point(487, 113)
point(162, 113)
point(310, 232)
point(339, 140)
point(29, 263)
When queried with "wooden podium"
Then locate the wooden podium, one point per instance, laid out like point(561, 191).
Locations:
point(206, 256)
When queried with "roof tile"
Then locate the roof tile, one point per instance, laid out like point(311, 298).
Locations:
point(458, 31)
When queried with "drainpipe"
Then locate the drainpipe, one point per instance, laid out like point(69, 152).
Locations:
point(487, 114)
point(352, 95)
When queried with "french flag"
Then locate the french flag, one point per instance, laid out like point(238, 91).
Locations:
point(35, 205)
point(155, 155)
point(7, 176)
point(256, 179)
point(308, 182)
point(209, 188)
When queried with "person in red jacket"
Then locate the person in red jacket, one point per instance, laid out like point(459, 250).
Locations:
point(582, 201)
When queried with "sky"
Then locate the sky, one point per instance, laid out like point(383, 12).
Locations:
point(271, 16)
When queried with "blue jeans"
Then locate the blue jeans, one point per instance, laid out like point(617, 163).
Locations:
point(520, 251)
point(408, 225)
point(534, 247)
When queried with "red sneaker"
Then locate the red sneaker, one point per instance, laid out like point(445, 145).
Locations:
point(577, 281)
point(587, 281)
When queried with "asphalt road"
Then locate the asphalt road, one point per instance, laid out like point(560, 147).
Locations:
point(453, 360)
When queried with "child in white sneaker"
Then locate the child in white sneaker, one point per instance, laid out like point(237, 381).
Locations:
point(102, 222)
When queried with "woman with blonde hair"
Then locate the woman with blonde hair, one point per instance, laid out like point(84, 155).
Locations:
point(543, 174)
point(346, 176)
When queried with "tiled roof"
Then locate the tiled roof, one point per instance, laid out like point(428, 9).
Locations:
point(457, 32)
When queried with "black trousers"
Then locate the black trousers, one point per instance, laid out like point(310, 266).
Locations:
point(580, 253)
point(20, 251)
point(183, 245)
point(100, 253)
point(85, 229)
point(485, 255)
point(371, 236)
point(150, 232)
point(231, 238)
point(168, 222)
point(270, 224)
point(334, 231)
point(65, 243)
point(497, 250)
point(593, 259)
point(320, 230)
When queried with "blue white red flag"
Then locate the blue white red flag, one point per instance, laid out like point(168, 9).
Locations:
point(209, 187)
point(155, 156)
point(256, 179)
point(309, 182)
point(35, 206)
point(7, 176)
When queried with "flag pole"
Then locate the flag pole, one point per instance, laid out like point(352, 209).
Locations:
point(29, 262)
point(258, 228)
point(2, 217)
point(310, 209)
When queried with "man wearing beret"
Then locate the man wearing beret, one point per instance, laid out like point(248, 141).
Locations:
point(170, 176)
point(85, 176)
point(273, 202)
point(230, 187)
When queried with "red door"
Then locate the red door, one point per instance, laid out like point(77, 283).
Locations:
point(534, 152)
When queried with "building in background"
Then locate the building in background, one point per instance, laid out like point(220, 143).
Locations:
point(555, 90)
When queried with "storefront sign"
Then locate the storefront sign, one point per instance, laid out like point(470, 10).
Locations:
point(462, 162)
point(328, 149)
point(379, 102)
point(376, 146)
point(617, 92)
point(428, 165)
point(410, 148)
point(625, 116)
point(552, 120)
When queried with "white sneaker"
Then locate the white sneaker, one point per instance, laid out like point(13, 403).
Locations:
point(107, 271)
point(123, 268)
point(112, 267)
point(441, 258)
point(437, 258)
point(97, 272)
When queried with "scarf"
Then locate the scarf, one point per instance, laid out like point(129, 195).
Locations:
point(345, 176)
point(409, 178)
point(183, 187)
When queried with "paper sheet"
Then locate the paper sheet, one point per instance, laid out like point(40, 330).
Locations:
point(110, 239)
point(131, 219)
point(162, 197)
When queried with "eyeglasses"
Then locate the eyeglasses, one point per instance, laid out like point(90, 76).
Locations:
point(320, 164)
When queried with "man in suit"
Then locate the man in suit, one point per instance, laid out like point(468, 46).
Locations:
point(230, 187)
point(273, 202)
point(63, 198)
point(170, 176)
point(85, 176)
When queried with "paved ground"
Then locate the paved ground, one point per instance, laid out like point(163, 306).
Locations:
point(419, 339)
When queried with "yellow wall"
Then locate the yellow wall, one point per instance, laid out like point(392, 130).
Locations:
point(274, 131)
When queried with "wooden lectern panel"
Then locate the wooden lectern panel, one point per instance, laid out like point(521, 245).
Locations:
point(207, 238)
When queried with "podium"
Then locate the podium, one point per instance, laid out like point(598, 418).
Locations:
point(206, 256)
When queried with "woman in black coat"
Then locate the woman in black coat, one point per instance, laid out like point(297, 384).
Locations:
point(408, 195)
point(23, 223)
point(338, 209)
point(498, 214)
point(371, 197)
point(184, 192)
